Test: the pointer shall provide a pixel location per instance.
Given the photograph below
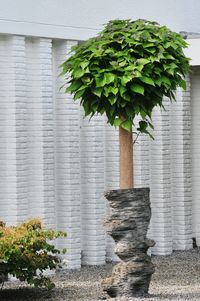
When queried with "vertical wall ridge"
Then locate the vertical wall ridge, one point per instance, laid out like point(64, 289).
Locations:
point(111, 174)
point(181, 185)
point(67, 160)
point(141, 161)
point(195, 143)
point(93, 205)
point(19, 85)
point(35, 160)
point(160, 195)
point(46, 94)
point(8, 170)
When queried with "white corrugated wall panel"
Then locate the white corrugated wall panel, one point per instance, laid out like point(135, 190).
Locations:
point(181, 173)
point(67, 160)
point(160, 181)
point(195, 138)
point(56, 165)
point(8, 154)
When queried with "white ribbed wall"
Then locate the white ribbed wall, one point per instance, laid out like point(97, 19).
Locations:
point(160, 181)
point(40, 129)
point(57, 165)
point(181, 169)
point(111, 174)
point(8, 136)
point(195, 138)
point(67, 160)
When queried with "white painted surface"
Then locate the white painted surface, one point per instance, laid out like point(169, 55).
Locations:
point(160, 182)
point(195, 138)
point(67, 178)
point(193, 51)
point(181, 169)
point(81, 19)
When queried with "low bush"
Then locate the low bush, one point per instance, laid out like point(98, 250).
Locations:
point(26, 252)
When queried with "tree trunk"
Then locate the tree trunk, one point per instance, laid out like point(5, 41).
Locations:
point(127, 223)
point(126, 159)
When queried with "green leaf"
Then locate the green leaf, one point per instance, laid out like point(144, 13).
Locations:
point(125, 79)
point(100, 81)
point(106, 91)
point(146, 45)
point(140, 67)
point(170, 71)
point(112, 99)
point(109, 78)
point(183, 84)
point(137, 89)
point(127, 125)
point(165, 80)
point(102, 111)
point(143, 61)
point(75, 85)
point(168, 44)
point(114, 64)
point(172, 95)
point(87, 80)
point(122, 90)
point(169, 56)
point(94, 105)
point(151, 50)
point(126, 96)
point(150, 135)
point(143, 113)
point(86, 107)
point(123, 104)
point(97, 91)
point(78, 94)
point(84, 64)
point(117, 122)
point(109, 90)
point(112, 110)
point(78, 72)
point(151, 125)
point(123, 63)
point(143, 125)
point(114, 90)
point(158, 81)
point(147, 80)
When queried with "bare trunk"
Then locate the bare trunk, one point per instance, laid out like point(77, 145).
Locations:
point(126, 159)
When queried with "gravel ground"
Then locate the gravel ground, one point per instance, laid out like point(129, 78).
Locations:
point(177, 277)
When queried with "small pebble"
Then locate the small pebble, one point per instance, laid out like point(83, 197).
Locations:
point(177, 277)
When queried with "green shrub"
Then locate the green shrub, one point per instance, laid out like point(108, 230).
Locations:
point(25, 252)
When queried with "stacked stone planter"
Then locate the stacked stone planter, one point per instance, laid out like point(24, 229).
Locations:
point(128, 223)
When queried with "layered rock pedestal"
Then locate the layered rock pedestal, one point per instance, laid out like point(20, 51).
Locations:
point(128, 223)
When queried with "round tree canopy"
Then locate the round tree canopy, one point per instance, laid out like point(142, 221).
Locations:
point(126, 70)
